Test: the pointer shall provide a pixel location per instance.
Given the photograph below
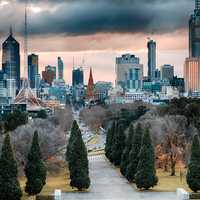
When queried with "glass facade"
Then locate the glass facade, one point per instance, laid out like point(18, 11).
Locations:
point(11, 59)
point(77, 77)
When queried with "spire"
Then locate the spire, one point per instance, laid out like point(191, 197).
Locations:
point(11, 32)
point(90, 87)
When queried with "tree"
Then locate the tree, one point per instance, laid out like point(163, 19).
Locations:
point(73, 133)
point(15, 119)
point(42, 114)
point(35, 169)
point(145, 176)
point(9, 185)
point(134, 153)
point(109, 141)
point(193, 174)
point(118, 144)
point(125, 155)
point(78, 163)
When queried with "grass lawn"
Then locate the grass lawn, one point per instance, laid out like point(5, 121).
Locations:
point(59, 181)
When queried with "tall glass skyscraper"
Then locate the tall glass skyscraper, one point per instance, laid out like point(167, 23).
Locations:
point(194, 32)
point(32, 69)
point(77, 77)
point(151, 59)
point(11, 59)
point(60, 68)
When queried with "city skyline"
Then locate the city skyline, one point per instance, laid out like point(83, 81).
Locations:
point(172, 40)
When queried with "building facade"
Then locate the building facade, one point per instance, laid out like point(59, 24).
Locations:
point(60, 68)
point(33, 62)
point(167, 72)
point(129, 72)
point(11, 59)
point(192, 64)
point(192, 74)
point(151, 45)
point(77, 77)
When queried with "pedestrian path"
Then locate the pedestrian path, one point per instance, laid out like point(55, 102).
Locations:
point(108, 184)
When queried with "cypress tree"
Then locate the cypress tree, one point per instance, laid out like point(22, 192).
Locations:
point(118, 144)
point(9, 185)
point(78, 163)
point(134, 153)
point(145, 176)
point(71, 138)
point(109, 141)
point(35, 169)
point(193, 174)
point(125, 155)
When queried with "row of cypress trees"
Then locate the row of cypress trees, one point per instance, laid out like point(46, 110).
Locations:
point(77, 158)
point(134, 154)
point(35, 171)
point(193, 174)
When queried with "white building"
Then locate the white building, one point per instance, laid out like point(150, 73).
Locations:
point(11, 88)
point(129, 72)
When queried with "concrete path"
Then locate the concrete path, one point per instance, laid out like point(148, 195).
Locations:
point(107, 184)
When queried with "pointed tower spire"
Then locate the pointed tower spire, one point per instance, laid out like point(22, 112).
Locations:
point(90, 87)
point(11, 32)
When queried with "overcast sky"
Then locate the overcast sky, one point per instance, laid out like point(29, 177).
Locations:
point(100, 30)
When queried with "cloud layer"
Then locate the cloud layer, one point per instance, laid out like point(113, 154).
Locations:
point(86, 17)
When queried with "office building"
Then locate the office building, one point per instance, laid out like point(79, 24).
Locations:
point(129, 72)
point(3, 89)
point(192, 74)
point(32, 69)
point(167, 72)
point(60, 68)
point(51, 69)
point(11, 59)
point(194, 36)
point(151, 59)
point(11, 89)
point(192, 64)
point(77, 77)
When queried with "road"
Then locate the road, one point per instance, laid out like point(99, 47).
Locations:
point(107, 184)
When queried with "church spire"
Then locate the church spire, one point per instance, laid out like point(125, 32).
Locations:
point(90, 87)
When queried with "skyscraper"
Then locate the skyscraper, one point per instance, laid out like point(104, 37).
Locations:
point(151, 59)
point(167, 72)
point(77, 77)
point(192, 64)
point(60, 68)
point(11, 59)
point(32, 69)
point(194, 32)
point(129, 72)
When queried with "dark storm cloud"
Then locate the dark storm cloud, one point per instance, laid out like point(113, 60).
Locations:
point(82, 17)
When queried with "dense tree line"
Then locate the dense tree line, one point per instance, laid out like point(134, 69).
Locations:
point(193, 174)
point(76, 156)
point(35, 171)
point(133, 153)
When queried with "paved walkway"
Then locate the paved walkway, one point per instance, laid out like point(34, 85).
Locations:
point(107, 184)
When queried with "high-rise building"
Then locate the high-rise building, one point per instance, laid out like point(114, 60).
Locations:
point(167, 72)
point(194, 32)
point(192, 64)
point(51, 69)
point(129, 72)
point(77, 77)
point(11, 59)
point(60, 68)
point(151, 59)
point(3, 89)
point(32, 69)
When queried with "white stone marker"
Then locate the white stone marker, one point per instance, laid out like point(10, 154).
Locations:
point(182, 194)
point(57, 194)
